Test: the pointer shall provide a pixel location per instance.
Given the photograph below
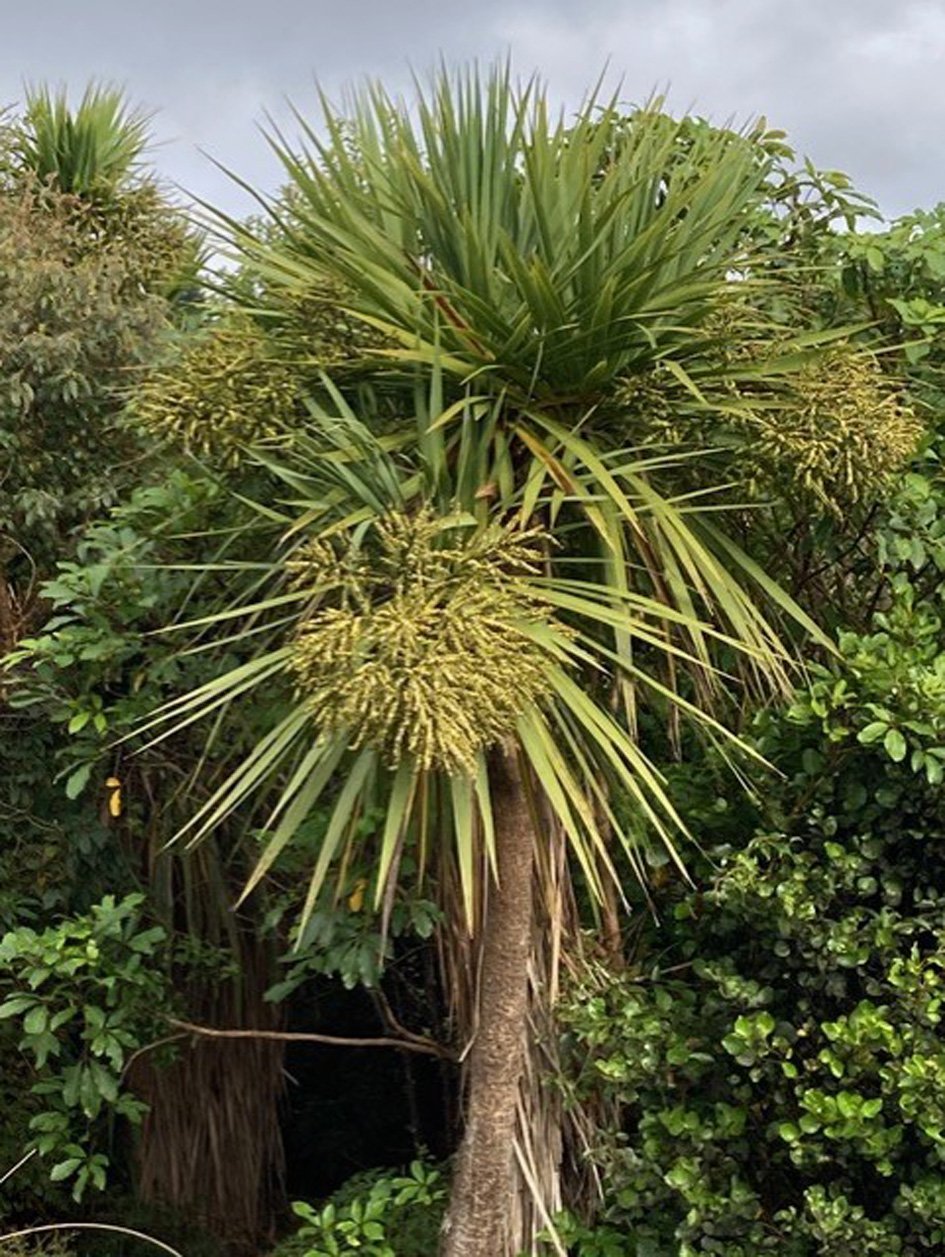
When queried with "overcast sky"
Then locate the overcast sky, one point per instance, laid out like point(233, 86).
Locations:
point(858, 84)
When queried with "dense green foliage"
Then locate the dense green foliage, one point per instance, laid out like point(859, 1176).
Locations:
point(84, 298)
point(774, 1049)
point(377, 1215)
point(83, 994)
point(781, 1083)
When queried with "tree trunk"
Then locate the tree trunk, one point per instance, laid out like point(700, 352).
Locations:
point(482, 1204)
point(210, 1146)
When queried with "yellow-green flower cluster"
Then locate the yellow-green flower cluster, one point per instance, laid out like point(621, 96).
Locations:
point(840, 432)
point(423, 646)
point(227, 390)
point(835, 431)
point(316, 328)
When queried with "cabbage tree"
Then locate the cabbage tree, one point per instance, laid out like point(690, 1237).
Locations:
point(91, 151)
point(485, 575)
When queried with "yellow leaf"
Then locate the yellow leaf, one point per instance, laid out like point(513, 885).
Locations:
point(113, 786)
point(356, 898)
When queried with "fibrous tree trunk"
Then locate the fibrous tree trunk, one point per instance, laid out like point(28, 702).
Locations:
point(479, 1221)
point(210, 1146)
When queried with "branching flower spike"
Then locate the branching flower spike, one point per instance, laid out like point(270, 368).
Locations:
point(425, 650)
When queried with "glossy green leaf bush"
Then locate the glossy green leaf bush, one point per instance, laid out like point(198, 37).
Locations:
point(83, 994)
point(376, 1215)
point(776, 1053)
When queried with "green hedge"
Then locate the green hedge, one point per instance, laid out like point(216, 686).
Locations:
point(776, 1053)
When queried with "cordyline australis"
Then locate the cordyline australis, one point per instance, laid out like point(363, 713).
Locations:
point(480, 577)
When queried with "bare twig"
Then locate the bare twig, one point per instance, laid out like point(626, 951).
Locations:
point(88, 1226)
point(413, 1044)
point(148, 1047)
point(22, 1161)
point(387, 1013)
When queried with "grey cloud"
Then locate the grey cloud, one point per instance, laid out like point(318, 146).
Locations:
point(859, 84)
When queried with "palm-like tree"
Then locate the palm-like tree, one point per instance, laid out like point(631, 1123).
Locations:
point(482, 575)
point(91, 151)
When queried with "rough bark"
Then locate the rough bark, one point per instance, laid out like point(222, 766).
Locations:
point(210, 1145)
point(485, 1179)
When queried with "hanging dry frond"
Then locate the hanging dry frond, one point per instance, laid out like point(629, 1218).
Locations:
point(425, 648)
